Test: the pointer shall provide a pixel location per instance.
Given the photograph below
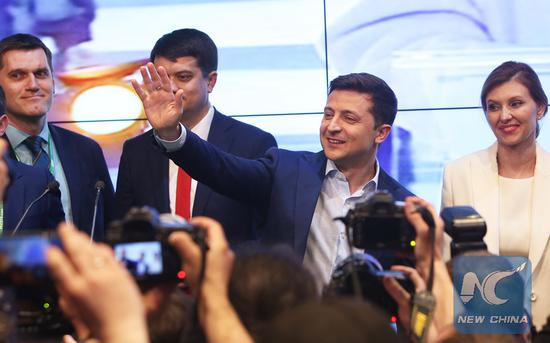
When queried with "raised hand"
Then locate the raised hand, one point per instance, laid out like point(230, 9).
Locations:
point(423, 249)
point(162, 106)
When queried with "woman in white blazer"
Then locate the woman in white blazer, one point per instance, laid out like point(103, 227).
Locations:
point(509, 182)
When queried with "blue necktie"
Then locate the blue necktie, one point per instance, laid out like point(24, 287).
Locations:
point(39, 156)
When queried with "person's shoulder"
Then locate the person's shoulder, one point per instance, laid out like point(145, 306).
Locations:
point(306, 155)
point(388, 183)
point(139, 140)
point(71, 137)
point(242, 127)
point(294, 159)
point(466, 160)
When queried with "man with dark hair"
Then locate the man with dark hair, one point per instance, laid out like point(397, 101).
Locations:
point(75, 161)
point(267, 282)
point(190, 60)
point(298, 193)
point(339, 320)
point(26, 184)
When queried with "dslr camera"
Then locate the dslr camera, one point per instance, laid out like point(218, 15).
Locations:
point(379, 226)
point(379, 223)
point(140, 243)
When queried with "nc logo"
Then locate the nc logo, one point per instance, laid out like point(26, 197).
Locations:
point(488, 287)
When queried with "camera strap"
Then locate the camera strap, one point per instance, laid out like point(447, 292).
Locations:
point(423, 303)
point(191, 331)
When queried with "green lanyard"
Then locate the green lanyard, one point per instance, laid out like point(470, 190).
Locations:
point(1, 217)
point(50, 155)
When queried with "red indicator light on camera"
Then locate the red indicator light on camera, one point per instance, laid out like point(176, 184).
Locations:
point(181, 275)
point(393, 319)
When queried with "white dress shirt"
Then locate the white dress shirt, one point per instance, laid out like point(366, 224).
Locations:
point(326, 242)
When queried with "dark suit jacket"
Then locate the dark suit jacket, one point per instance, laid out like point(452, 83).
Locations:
point(143, 176)
point(284, 185)
point(26, 184)
point(84, 164)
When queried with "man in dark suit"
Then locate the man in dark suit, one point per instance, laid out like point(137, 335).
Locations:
point(298, 193)
point(75, 161)
point(27, 183)
point(147, 177)
point(20, 186)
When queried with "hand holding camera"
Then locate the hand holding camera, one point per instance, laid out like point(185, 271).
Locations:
point(423, 249)
point(91, 280)
point(217, 316)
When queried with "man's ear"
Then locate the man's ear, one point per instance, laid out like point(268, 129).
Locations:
point(382, 132)
point(212, 78)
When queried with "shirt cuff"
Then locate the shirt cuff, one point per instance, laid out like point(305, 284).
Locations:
point(171, 146)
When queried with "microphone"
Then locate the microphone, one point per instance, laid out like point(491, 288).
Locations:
point(53, 187)
point(99, 185)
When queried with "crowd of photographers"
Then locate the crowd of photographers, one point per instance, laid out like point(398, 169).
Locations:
point(262, 295)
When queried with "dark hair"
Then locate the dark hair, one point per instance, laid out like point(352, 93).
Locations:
point(188, 42)
point(266, 282)
point(520, 72)
point(2, 102)
point(23, 41)
point(339, 320)
point(383, 98)
point(170, 319)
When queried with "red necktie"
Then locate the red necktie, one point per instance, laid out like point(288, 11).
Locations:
point(183, 195)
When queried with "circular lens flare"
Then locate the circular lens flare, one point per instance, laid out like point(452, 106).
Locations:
point(106, 102)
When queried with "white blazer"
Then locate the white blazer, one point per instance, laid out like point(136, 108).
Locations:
point(473, 181)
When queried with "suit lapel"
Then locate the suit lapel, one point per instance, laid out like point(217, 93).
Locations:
point(311, 173)
point(11, 152)
point(159, 170)
point(484, 190)
point(540, 226)
point(217, 137)
point(15, 198)
point(384, 183)
point(68, 157)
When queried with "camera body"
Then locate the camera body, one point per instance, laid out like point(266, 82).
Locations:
point(140, 242)
point(379, 223)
